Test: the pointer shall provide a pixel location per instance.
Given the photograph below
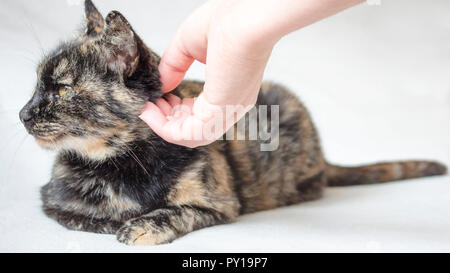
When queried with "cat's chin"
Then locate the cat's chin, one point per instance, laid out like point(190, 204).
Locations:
point(49, 143)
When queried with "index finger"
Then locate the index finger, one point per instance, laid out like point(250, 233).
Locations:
point(174, 64)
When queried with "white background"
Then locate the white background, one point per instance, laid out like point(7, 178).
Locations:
point(376, 79)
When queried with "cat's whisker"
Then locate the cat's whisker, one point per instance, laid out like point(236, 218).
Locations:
point(130, 152)
point(9, 111)
point(12, 136)
point(14, 126)
point(33, 61)
point(13, 157)
point(133, 155)
point(114, 163)
point(33, 32)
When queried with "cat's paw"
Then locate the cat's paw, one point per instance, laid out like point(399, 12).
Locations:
point(140, 232)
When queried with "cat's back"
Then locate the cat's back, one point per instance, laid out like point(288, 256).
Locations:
point(279, 176)
point(291, 172)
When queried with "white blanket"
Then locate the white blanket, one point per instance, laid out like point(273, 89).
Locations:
point(376, 79)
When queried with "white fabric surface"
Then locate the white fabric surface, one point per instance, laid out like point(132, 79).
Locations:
point(376, 81)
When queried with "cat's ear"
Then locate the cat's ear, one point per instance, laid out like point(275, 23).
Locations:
point(121, 42)
point(95, 21)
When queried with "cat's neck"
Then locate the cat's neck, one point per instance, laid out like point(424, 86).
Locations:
point(107, 144)
point(146, 154)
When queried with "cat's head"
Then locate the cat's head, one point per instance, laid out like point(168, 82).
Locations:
point(90, 91)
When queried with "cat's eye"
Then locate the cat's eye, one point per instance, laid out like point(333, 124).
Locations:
point(63, 90)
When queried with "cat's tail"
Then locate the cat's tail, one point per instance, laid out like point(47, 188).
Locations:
point(382, 172)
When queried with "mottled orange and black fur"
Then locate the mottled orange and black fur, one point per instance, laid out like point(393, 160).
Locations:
point(114, 175)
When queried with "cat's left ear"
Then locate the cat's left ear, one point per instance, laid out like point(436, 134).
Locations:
point(95, 21)
point(121, 43)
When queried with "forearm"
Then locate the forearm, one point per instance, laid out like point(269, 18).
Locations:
point(298, 14)
point(270, 20)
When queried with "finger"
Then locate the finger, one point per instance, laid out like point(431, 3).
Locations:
point(172, 99)
point(193, 128)
point(187, 105)
point(165, 107)
point(184, 108)
point(155, 118)
point(182, 131)
point(173, 131)
point(174, 64)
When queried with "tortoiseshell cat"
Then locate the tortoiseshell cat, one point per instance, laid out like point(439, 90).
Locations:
point(114, 175)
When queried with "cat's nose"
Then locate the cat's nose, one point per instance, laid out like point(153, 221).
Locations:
point(30, 109)
point(25, 115)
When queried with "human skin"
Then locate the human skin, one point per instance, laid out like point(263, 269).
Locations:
point(234, 39)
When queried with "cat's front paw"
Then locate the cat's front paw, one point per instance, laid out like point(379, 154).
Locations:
point(144, 232)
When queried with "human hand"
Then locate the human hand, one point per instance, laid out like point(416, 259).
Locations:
point(234, 69)
point(234, 38)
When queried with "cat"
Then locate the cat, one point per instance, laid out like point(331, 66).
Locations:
point(114, 175)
